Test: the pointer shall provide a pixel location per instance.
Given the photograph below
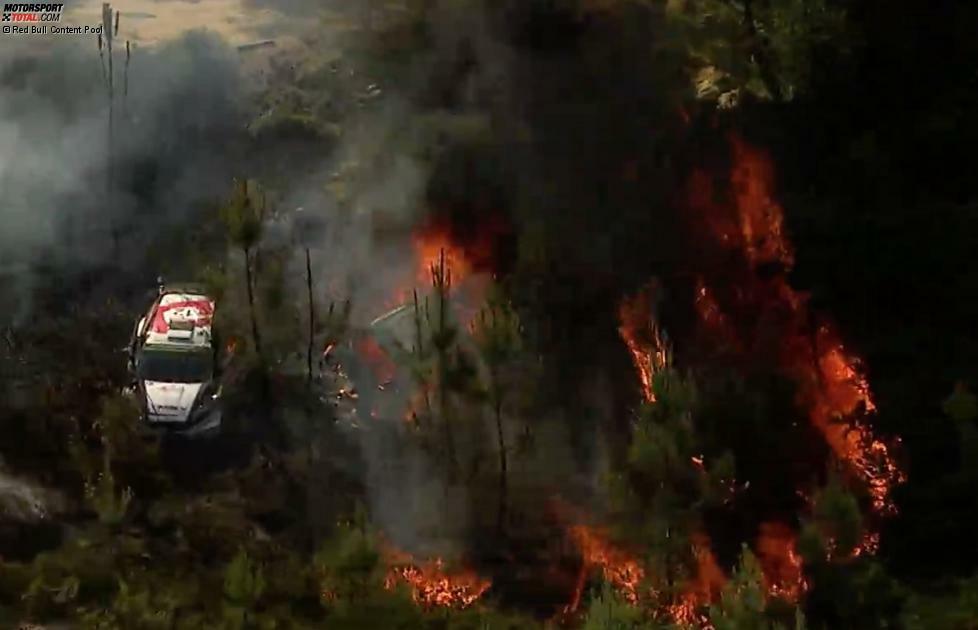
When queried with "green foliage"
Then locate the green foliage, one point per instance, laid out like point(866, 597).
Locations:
point(767, 49)
point(854, 594)
point(498, 332)
point(213, 525)
point(349, 565)
point(479, 618)
point(244, 584)
point(837, 524)
point(352, 583)
point(444, 368)
point(957, 610)
point(133, 456)
point(798, 31)
point(666, 447)
point(106, 500)
point(660, 496)
point(243, 214)
point(607, 611)
point(80, 571)
point(676, 396)
point(135, 610)
point(961, 405)
point(742, 604)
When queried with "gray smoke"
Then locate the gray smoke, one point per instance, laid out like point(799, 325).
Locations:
point(173, 131)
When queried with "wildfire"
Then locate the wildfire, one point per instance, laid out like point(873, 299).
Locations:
point(461, 257)
point(429, 246)
point(472, 244)
point(780, 561)
point(760, 216)
point(831, 385)
point(627, 576)
point(703, 589)
point(619, 569)
point(642, 337)
point(433, 586)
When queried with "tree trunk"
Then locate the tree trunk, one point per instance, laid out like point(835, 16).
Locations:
point(443, 374)
point(109, 175)
point(312, 318)
point(503, 487)
point(255, 336)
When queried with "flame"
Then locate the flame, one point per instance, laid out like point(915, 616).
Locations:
point(471, 244)
point(761, 218)
point(429, 246)
point(780, 561)
point(432, 586)
point(619, 569)
point(466, 254)
point(642, 337)
point(627, 576)
point(831, 384)
point(701, 590)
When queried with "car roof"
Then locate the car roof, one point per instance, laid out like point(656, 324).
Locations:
point(181, 319)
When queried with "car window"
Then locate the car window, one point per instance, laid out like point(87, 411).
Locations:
point(175, 367)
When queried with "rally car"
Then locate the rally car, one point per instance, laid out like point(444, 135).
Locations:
point(174, 363)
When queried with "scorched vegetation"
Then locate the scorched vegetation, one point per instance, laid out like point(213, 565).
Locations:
point(538, 313)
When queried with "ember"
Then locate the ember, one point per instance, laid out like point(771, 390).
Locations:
point(433, 586)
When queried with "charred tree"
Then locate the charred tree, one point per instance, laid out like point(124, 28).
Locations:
point(243, 222)
point(442, 340)
point(498, 338)
point(312, 318)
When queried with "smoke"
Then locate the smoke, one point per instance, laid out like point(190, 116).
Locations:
point(500, 112)
point(463, 131)
point(175, 125)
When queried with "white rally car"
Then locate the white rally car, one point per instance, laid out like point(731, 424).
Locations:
point(174, 363)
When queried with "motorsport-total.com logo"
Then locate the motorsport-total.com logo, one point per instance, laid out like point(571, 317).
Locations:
point(32, 12)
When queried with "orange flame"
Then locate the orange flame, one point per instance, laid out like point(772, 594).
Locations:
point(428, 248)
point(433, 586)
point(703, 589)
point(626, 575)
point(780, 561)
point(830, 381)
point(761, 217)
point(642, 337)
point(619, 569)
